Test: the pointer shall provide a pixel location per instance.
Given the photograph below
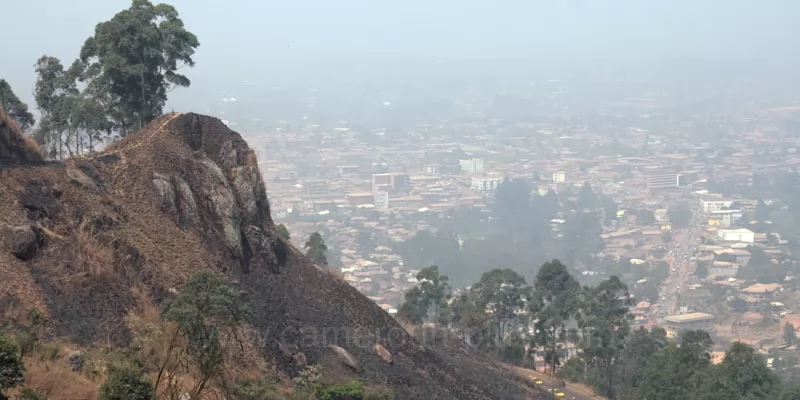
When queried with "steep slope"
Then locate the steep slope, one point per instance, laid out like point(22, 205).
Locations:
point(14, 146)
point(183, 195)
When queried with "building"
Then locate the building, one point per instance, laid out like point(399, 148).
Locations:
point(723, 268)
point(395, 182)
point(486, 184)
point(381, 199)
point(675, 324)
point(559, 177)
point(432, 169)
point(315, 188)
point(663, 181)
point(714, 203)
point(724, 218)
point(360, 199)
point(473, 166)
point(736, 235)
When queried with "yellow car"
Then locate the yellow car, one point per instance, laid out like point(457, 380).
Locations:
point(559, 394)
point(538, 382)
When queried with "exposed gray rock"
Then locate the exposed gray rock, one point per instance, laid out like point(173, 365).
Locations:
point(247, 184)
point(188, 205)
point(345, 357)
point(25, 241)
point(165, 192)
point(76, 360)
point(220, 197)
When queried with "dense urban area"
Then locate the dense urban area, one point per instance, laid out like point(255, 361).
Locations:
point(630, 234)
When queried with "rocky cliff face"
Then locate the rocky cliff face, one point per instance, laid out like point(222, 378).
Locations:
point(185, 194)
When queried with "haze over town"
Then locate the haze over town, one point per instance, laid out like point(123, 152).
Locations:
point(435, 154)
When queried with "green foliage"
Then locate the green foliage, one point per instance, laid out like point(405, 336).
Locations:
point(206, 311)
point(502, 292)
point(680, 214)
point(555, 300)
point(14, 107)
point(12, 370)
point(789, 334)
point(133, 59)
point(349, 391)
point(426, 300)
point(284, 232)
point(316, 249)
point(263, 389)
point(124, 383)
point(30, 394)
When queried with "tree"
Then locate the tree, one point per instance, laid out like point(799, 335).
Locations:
point(56, 96)
point(680, 214)
point(586, 197)
point(425, 300)
point(14, 107)
point(205, 312)
point(284, 232)
point(789, 334)
point(676, 372)
point(126, 384)
point(645, 217)
point(606, 320)
point(762, 211)
point(743, 374)
point(501, 292)
point(555, 300)
point(12, 370)
point(134, 57)
point(316, 249)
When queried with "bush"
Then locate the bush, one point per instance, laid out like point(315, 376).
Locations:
point(30, 394)
point(348, 391)
point(250, 389)
point(12, 370)
point(126, 384)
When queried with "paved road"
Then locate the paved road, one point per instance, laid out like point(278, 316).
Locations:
point(572, 390)
point(682, 267)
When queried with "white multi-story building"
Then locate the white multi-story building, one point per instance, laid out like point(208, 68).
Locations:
point(473, 166)
point(714, 204)
point(486, 184)
point(736, 235)
point(559, 177)
point(381, 199)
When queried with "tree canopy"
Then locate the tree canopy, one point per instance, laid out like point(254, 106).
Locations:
point(14, 107)
point(134, 59)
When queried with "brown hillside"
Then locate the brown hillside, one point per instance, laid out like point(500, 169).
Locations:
point(14, 146)
point(183, 195)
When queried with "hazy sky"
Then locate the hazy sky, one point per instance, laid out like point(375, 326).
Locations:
point(272, 40)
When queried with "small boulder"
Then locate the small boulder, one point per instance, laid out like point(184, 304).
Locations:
point(300, 360)
point(76, 360)
point(25, 241)
point(385, 355)
point(345, 357)
point(286, 352)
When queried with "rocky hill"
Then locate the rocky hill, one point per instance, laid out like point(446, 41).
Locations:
point(85, 238)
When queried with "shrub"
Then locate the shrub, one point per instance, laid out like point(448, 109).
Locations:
point(348, 391)
point(126, 384)
point(12, 370)
point(30, 394)
point(251, 389)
